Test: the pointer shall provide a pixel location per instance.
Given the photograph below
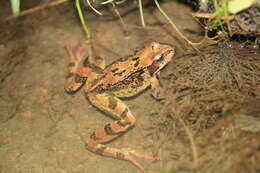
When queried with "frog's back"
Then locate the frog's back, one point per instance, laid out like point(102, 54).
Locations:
point(121, 72)
point(129, 72)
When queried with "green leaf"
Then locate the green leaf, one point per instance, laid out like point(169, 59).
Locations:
point(235, 6)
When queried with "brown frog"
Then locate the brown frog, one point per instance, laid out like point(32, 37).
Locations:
point(104, 86)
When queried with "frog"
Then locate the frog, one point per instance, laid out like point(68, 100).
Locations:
point(106, 86)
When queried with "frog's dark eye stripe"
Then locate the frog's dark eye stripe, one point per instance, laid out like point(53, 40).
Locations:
point(159, 59)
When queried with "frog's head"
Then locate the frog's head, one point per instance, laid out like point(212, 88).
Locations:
point(157, 56)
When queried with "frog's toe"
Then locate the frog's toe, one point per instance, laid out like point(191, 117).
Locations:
point(133, 157)
point(134, 162)
point(158, 95)
point(147, 156)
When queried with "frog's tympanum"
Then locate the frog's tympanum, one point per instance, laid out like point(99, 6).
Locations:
point(105, 86)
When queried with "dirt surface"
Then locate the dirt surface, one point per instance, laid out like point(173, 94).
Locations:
point(43, 129)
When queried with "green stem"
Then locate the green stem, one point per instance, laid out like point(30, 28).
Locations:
point(83, 22)
point(15, 4)
point(141, 12)
point(173, 25)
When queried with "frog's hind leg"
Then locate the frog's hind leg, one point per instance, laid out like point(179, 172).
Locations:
point(97, 61)
point(77, 72)
point(113, 105)
point(81, 66)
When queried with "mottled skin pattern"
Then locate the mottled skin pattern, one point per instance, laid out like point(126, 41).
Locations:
point(104, 86)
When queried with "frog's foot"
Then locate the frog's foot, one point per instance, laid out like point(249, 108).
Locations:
point(122, 154)
point(157, 91)
point(139, 155)
point(158, 94)
point(143, 156)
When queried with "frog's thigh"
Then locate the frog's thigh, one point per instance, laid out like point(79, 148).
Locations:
point(112, 105)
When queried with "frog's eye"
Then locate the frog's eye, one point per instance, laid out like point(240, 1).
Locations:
point(158, 59)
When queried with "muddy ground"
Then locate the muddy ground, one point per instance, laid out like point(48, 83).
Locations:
point(209, 121)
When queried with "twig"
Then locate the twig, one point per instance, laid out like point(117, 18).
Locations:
point(192, 143)
point(174, 26)
point(94, 8)
point(211, 16)
point(120, 18)
point(36, 8)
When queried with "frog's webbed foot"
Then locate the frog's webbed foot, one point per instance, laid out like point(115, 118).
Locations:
point(131, 159)
point(122, 154)
point(156, 90)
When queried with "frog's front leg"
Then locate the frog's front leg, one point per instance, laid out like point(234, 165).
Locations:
point(157, 91)
point(114, 106)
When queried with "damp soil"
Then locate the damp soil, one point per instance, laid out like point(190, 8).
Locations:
point(209, 120)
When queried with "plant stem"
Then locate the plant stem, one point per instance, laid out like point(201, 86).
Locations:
point(83, 22)
point(15, 4)
point(141, 12)
point(174, 26)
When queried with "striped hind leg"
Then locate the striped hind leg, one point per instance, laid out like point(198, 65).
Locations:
point(114, 106)
point(80, 67)
point(77, 75)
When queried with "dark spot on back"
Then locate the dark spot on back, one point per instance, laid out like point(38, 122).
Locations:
point(114, 70)
point(136, 58)
point(119, 73)
point(136, 61)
